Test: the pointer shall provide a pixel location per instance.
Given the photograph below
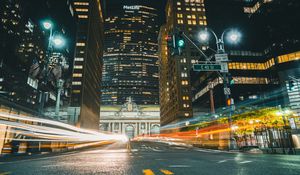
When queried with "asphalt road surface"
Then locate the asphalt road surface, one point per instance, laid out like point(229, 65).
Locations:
point(145, 158)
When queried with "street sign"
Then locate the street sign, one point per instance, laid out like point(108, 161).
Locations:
point(221, 57)
point(227, 91)
point(224, 67)
point(207, 67)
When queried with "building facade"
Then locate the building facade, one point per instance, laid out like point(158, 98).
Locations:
point(24, 52)
point(175, 86)
point(130, 61)
point(87, 66)
point(265, 73)
point(130, 119)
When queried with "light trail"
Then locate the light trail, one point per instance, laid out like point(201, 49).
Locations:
point(37, 129)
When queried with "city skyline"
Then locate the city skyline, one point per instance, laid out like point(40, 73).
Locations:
point(150, 87)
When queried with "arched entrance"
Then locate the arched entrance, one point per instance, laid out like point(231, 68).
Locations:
point(129, 131)
point(155, 129)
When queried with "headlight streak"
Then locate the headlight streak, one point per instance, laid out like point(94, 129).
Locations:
point(48, 130)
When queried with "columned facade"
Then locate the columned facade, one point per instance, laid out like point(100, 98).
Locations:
point(130, 119)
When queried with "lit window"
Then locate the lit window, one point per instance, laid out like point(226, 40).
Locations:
point(76, 91)
point(81, 3)
point(80, 44)
point(78, 59)
point(76, 83)
point(81, 10)
point(78, 67)
point(77, 75)
point(82, 16)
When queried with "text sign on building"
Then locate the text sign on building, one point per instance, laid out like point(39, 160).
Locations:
point(207, 67)
point(134, 7)
point(221, 57)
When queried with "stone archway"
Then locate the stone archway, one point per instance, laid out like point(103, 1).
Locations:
point(129, 131)
point(155, 129)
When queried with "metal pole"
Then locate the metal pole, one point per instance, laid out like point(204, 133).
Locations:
point(212, 102)
point(59, 89)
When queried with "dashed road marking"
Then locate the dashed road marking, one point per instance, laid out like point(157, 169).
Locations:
point(148, 172)
point(167, 172)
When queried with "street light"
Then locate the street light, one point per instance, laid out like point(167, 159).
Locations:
point(203, 36)
point(58, 41)
point(47, 25)
point(232, 36)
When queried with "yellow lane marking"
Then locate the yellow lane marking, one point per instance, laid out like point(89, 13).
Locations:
point(167, 172)
point(5, 173)
point(148, 172)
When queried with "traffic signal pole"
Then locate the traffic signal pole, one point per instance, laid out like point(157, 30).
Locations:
point(224, 76)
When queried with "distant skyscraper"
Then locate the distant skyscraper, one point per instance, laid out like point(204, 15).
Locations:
point(130, 58)
point(175, 86)
point(87, 64)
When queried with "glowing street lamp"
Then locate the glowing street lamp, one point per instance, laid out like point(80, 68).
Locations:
point(47, 25)
point(203, 36)
point(58, 41)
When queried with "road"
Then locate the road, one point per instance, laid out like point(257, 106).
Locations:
point(151, 159)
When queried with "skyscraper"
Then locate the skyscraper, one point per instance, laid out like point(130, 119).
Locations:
point(186, 16)
point(130, 58)
point(87, 65)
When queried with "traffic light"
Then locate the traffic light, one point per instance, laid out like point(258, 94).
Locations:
point(229, 102)
point(230, 80)
point(169, 39)
point(180, 42)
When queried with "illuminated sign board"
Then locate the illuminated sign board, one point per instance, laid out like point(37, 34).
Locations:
point(134, 7)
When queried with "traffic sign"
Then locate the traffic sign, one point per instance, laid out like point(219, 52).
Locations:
point(207, 67)
point(227, 91)
point(221, 57)
point(224, 67)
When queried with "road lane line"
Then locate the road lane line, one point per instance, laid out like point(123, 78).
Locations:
point(148, 172)
point(167, 172)
point(247, 161)
point(179, 166)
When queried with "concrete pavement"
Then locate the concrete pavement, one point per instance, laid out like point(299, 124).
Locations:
point(151, 158)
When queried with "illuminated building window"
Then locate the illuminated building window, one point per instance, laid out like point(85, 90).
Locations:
point(180, 21)
point(179, 15)
point(78, 59)
point(76, 83)
point(184, 82)
point(82, 16)
point(186, 114)
point(77, 75)
point(80, 44)
point(81, 3)
point(178, 8)
point(187, 9)
point(289, 57)
point(78, 67)
point(76, 91)
point(178, 3)
point(81, 10)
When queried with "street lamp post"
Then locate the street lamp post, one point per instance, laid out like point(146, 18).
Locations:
point(56, 41)
point(234, 37)
point(60, 84)
point(47, 25)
